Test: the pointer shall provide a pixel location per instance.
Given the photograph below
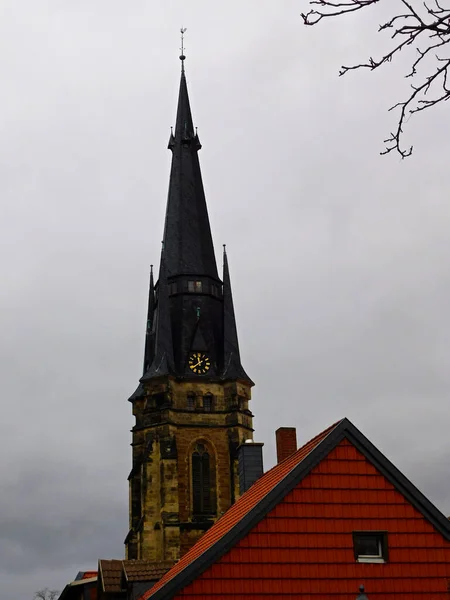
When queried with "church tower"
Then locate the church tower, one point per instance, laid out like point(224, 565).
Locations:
point(191, 404)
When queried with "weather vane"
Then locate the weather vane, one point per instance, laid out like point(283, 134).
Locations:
point(182, 56)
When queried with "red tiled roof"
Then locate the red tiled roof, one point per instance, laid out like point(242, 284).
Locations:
point(145, 570)
point(111, 574)
point(240, 509)
point(303, 547)
point(89, 574)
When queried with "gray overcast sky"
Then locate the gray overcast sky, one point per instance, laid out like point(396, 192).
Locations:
point(339, 257)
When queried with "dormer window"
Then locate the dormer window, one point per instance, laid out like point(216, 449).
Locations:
point(195, 287)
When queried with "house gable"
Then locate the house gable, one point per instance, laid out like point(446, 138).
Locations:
point(299, 535)
point(304, 546)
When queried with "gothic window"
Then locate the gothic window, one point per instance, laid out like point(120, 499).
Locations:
point(191, 401)
point(202, 481)
point(207, 402)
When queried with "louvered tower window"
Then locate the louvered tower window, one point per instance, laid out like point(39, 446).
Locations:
point(191, 401)
point(207, 402)
point(202, 481)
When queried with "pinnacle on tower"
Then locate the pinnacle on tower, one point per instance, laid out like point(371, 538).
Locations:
point(232, 368)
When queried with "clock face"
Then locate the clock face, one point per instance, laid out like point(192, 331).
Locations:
point(199, 363)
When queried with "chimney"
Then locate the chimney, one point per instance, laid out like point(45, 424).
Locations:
point(250, 464)
point(286, 442)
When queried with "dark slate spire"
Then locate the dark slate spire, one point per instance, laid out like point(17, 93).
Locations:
point(149, 335)
point(188, 310)
point(162, 363)
point(232, 368)
point(188, 245)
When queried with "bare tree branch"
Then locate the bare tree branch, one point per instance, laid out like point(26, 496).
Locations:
point(46, 594)
point(423, 26)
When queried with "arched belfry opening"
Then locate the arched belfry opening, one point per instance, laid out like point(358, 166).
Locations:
point(203, 480)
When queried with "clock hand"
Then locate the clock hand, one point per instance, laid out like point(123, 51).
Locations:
point(199, 363)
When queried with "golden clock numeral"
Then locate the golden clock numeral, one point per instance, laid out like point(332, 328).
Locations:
point(199, 362)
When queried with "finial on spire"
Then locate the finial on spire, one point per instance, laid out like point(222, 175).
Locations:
point(151, 269)
point(362, 595)
point(182, 56)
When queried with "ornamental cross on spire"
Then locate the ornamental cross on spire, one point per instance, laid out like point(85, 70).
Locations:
point(182, 56)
